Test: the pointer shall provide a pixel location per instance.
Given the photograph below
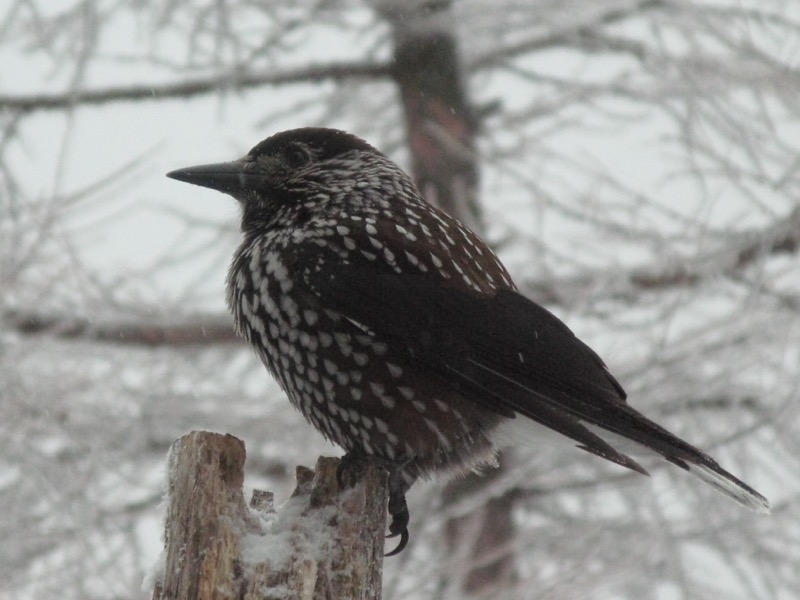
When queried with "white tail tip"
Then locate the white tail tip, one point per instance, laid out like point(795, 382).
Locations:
point(733, 488)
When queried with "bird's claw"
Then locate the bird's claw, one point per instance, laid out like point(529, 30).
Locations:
point(347, 474)
point(398, 509)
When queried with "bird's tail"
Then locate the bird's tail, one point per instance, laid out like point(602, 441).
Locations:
point(648, 438)
point(525, 432)
point(731, 486)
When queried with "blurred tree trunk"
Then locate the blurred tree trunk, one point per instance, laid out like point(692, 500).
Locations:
point(441, 134)
point(440, 127)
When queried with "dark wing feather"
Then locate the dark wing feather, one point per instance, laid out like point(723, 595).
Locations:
point(450, 334)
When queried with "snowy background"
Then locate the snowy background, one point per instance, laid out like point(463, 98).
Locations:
point(639, 175)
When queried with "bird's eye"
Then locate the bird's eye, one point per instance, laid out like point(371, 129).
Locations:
point(296, 157)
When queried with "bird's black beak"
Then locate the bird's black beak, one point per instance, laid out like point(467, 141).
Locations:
point(229, 177)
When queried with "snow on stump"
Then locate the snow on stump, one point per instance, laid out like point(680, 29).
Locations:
point(323, 543)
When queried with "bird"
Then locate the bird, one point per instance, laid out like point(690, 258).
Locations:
point(397, 332)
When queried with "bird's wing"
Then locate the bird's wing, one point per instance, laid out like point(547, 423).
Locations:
point(508, 361)
point(510, 355)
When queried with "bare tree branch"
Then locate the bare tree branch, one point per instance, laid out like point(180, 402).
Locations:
point(237, 81)
point(196, 331)
point(581, 34)
point(783, 237)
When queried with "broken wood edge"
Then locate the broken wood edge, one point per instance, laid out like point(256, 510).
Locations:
point(324, 542)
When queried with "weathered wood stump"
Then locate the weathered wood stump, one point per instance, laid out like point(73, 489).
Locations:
point(323, 543)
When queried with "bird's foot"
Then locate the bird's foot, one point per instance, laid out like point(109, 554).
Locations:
point(350, 470)
point(398, 509)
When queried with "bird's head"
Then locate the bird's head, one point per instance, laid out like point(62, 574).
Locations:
point(291, 169)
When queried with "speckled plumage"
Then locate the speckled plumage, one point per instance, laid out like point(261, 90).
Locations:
point(396, 331)
point(350, 382)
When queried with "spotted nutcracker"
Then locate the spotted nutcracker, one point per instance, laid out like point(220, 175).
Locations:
point(398, 333)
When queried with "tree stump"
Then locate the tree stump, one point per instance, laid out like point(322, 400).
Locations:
point(323, 543)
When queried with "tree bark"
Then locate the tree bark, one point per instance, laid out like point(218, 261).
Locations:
point(323, 543)
point(440, 126)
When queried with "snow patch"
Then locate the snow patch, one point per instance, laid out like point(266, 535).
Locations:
point(288, 532)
